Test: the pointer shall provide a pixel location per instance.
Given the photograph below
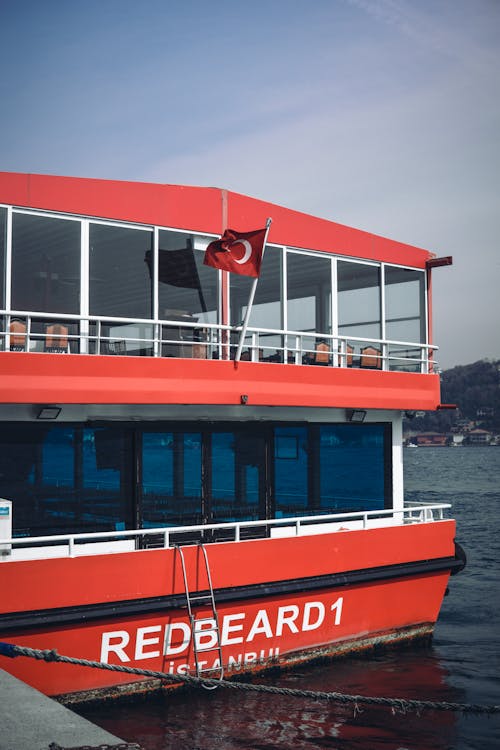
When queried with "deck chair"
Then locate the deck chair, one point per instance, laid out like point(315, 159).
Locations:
point(17, 332)
point(56, 338)
point(371, 357)
point(322, 353)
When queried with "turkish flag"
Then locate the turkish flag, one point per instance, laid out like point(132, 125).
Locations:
point(237, 252)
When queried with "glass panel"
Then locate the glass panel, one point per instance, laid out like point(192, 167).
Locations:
point(290, 471)
point(407, 358)
point(37, 473)
point(351, 466)
point(57, 498)
point(45, 264)
point(188, 293)
point(171, 479)
point(266, 308)
point(359, 301)
point(238, 465)
point(107, 476)
point(309, 306)
point(3, 240)
point(404, 304)
point(120, 284)
point(309, 292)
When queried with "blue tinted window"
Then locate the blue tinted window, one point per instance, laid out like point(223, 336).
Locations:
point(171, 478)
point(106, 484)
point(158, 463)
point(352, 472)
point(58, 459)
point(238, 466)
point(291, 471)
point(101, 459)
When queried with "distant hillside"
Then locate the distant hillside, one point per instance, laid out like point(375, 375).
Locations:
point(475, 389)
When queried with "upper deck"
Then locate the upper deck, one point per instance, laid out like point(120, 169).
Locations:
point(111, 275)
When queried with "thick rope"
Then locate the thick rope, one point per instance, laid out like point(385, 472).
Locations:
point(401, 705)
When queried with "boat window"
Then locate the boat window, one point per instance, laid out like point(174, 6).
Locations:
point(359, 301)
point(309, 293)
point(266, 309)
point(404, 304)
point(171, 478)
point(291, 471)
point(45, 264)
point(404, 315)
point(20, 476)
point(186, 285)
point(120, 284)
point(352, 467)
point(77, 478)
point(66, 479)
point(106, 477)
point(3, 243)
point(237, 471)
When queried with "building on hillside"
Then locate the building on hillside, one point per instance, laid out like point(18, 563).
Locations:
point(479, 437)
point(431, 439)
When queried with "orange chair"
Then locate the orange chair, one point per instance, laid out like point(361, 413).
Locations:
point(17, 331)
point(322, 354)
point(371, 357)
point(56, 338)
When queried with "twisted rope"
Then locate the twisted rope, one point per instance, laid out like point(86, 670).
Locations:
point(401, 705)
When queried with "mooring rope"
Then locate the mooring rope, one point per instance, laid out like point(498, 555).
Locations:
point(401, 705)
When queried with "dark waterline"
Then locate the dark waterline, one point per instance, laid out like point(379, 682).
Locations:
point(461, 665)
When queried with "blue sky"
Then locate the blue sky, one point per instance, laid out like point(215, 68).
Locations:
point(381, 114)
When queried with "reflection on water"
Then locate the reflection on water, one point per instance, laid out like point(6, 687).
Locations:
point(463, 664)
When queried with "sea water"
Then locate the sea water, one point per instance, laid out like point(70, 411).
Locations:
point(461, 665)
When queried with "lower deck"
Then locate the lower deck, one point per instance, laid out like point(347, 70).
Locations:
point(103, 476)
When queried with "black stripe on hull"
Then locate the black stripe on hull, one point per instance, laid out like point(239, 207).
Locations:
point(59, 617)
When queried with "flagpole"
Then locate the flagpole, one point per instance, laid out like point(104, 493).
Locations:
point(251, 296)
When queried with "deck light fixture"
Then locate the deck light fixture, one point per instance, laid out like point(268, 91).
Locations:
point(356, 415)
point(49, 412)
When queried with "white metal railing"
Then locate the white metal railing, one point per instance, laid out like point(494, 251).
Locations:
point(194, 339)
point(300, 347)
point(412, 513)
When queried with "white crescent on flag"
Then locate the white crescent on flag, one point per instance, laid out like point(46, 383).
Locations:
point(246, 255)
point(246, 260)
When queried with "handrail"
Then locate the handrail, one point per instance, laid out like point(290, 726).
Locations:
point(159, 327)
point(423, 510)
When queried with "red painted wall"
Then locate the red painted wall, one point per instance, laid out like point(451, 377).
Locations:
point(43, 584)
point(201, 209)
point(86, 379)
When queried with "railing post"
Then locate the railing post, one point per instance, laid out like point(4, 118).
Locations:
point(385, 364)
point(254, 348)
point(166, 539)
point(71, 546)
point(237, 533)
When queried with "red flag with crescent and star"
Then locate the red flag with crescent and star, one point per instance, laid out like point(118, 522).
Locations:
point(237, 252)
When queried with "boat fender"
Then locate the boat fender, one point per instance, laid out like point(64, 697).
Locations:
point(461, 559)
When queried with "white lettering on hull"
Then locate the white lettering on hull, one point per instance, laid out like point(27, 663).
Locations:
point(237, 628)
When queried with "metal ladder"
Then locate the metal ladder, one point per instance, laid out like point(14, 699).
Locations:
point(197, 600)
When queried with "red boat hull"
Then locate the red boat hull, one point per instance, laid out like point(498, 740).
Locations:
point(279, 601)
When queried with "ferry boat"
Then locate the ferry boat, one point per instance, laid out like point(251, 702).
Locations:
point(201, 458)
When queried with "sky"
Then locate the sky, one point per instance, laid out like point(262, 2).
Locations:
point(380, 114)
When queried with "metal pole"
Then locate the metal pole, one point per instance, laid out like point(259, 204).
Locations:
point(250, 300)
